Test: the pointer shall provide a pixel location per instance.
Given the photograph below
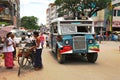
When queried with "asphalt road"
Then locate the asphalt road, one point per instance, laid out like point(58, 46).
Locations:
point(107, 67)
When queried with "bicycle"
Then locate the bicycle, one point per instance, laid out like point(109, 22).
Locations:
point(25, 58)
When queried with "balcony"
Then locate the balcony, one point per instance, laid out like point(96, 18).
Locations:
point(6, 17)
point(115, 2)
point(6, 3)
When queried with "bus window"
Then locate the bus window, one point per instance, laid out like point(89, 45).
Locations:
point(55, 29)
point(82, 29)
point(89, 29)
point(68, 29)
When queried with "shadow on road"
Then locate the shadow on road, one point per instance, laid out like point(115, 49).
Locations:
point(74, 60)
point(14, 71)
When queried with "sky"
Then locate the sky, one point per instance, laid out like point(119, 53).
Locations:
point(35, 8)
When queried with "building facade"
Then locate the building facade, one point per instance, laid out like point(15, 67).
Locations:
point(16, 13)
point(99, 18)
point(116, 19)
point(99, 21)
point(51, 13)
point(10, 12)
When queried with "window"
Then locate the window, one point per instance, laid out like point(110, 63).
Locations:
point(55, 29)
point(74, 29)
point(118, 13)
point(68, 29)
point(114, 13)
point(84, 29)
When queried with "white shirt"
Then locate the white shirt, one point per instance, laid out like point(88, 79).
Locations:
point(8, 48)
point(29, 40)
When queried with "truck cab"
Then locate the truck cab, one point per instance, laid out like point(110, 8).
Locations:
point(73, 37)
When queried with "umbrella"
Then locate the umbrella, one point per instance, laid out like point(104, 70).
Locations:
point(5, 30)
point(3, 33)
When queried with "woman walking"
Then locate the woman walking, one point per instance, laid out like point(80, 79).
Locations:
point(8, 49)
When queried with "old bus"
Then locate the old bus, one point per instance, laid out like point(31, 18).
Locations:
point(73, 37)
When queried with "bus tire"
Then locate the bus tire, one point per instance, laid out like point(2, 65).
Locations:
point(92, 57)
point(60, 57)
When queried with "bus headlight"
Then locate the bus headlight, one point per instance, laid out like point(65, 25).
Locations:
point(67, 42)
point(90, 41)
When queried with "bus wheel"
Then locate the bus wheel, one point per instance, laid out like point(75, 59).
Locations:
point(60, 57)
point(92, 57)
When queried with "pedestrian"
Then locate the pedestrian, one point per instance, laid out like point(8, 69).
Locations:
point(38, 47)
point(106, 35)
point(47, 40)
point(14, 45)
point(42, 39)
point(100, 38)
point(29, 38)
point(8, 49)
point(0, 39)
point(1, 46)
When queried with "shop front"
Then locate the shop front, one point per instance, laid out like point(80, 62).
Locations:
point(99, 27)
point(116, 25)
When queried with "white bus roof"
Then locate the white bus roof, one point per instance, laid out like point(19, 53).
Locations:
point(62, 19)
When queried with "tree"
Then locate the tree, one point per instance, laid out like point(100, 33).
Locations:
point(29, 22)
point(5, 23)
point(79, 6)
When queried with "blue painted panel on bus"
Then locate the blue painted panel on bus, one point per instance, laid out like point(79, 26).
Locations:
point(89, 36)
point(76, 23)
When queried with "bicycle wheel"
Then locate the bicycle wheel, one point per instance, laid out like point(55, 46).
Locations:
point(22, 60)
point(19, 71)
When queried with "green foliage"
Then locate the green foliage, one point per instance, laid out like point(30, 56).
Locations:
point(96, 5)
point(79, 6)
point(29, 22)
point(5, 23)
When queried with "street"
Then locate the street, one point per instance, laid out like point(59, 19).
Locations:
point(107, 67)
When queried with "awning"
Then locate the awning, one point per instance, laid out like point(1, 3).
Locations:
point(5, 30)
point(116, 24)
point(3, 33)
